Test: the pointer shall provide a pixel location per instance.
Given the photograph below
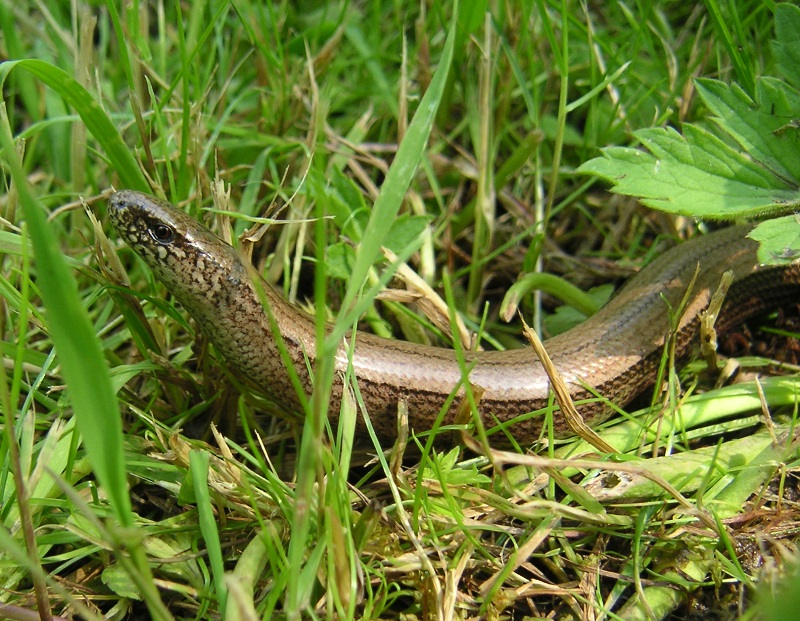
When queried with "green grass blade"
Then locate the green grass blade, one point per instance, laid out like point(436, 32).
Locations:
point(384, 212)
point(736, 51)
point(83, 365)
point(79, 351)
point(198, 466)
point(95, 118)
point(393, 190)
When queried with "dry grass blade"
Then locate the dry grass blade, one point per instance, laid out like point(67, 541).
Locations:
point(568, 410)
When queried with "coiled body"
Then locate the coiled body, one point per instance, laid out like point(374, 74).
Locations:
point(615, 353)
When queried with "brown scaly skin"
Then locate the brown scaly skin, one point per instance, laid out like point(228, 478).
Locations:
point(615, 353)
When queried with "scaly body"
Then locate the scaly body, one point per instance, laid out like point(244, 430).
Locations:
point(614, 353)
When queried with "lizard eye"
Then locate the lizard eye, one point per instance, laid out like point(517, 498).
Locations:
point(161, 233)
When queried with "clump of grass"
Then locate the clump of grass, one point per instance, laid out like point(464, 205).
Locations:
point(301, 115)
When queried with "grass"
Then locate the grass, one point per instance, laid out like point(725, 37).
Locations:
point(316, 117)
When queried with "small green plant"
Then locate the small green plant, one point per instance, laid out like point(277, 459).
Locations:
point(745, 164)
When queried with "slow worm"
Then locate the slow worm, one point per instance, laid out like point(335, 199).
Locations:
point(615, 353)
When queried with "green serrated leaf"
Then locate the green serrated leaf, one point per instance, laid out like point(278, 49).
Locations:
point(787, 46)
point(779, 240)
point(766, 128)
point(700, 149)
point(695, 175)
